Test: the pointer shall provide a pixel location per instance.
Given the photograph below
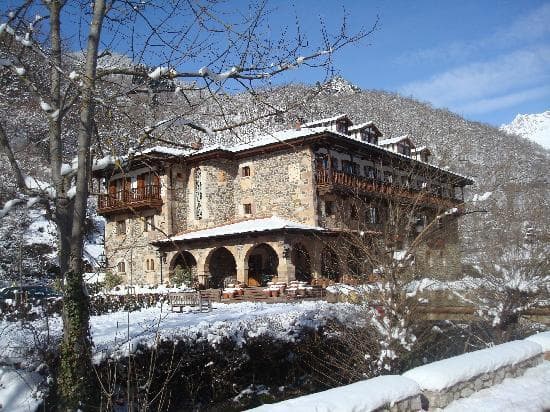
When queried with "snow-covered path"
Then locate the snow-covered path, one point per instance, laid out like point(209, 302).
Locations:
point(527, 393)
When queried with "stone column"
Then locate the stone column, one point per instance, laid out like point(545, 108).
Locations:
point(242, 270)
point(316, 260)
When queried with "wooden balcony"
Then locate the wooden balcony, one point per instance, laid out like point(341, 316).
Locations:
point(337, 181)
point(144, 197)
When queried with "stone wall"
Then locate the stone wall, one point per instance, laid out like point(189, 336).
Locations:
point(436, 400)
point(440, 256)
point(408, 392)
point(217, 181)
point(133, 248)
point(280, 183)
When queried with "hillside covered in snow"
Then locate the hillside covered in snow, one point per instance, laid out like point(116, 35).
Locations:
point(535, 127)
point(513, 169)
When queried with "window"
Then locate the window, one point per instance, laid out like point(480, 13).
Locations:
point(353, 212)
point(335, 164)
point(198, 194)
point(321, 160)
point(370, 172)
point(341, 127)
point(245, 171)
point(247, 208)
point(388, 177)
point(347, 167)
point(329, 208)
point(121, 267)
point(372, 215)
point(121, 227)
point(404, 149)
point(150, 264)
point(149, 224)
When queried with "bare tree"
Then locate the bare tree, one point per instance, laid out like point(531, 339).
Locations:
point(387, 233)
point(512, 280)
point(78, 99)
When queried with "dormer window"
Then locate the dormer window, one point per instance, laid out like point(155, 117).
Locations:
point(404, 149)
point(342, 127)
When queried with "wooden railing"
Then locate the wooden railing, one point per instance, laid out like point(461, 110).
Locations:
point(327, 180)
point(145, 196)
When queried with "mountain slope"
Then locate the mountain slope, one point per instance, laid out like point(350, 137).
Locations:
point(535, 127)
point(513, 169)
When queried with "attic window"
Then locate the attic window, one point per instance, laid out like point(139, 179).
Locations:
point(404, 148)
point(245, 172)
point(247, 208)
point(341, 127)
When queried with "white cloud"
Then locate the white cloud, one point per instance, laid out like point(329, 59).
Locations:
point(461, 87)
point(527, 28)
point(504, 101)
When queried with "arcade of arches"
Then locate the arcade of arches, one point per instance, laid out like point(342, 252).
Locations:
point(216, 265)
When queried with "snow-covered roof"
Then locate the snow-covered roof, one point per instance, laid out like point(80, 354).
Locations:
point(420, 149)
point(360, 126)
point(272, 138)
point(326, 120)
point(387, 142)
point(276, 137)
point(246, 226)
point(164, 150)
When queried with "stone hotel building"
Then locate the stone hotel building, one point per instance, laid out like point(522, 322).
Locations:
point(270, 208)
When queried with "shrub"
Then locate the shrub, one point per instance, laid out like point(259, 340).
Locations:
point(182, 276)
point(112, 280)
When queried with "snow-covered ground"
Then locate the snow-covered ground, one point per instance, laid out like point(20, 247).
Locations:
point(118, 333)
point(530, 392)
point(19, 390)
point(115, 334)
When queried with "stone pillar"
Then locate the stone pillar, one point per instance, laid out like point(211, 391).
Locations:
point(242, 270)
point(316, 261)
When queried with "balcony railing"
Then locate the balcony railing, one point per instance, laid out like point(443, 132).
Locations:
point(136, 198)
point(328, 180)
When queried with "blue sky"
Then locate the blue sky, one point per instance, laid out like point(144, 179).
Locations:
point(485, 60)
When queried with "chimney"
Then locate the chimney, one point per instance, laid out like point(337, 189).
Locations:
point(298, 124)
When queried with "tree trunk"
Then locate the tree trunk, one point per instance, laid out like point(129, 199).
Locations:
point(76, 379)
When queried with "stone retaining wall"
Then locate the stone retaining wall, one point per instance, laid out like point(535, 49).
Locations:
point(434, 400)
point(448, 380)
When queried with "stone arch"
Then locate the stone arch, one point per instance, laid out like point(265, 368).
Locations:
point(301, 260)
point(184, 260)
point(220, 264)
point(359, 263)
point(261, 262)
point(330, 265)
